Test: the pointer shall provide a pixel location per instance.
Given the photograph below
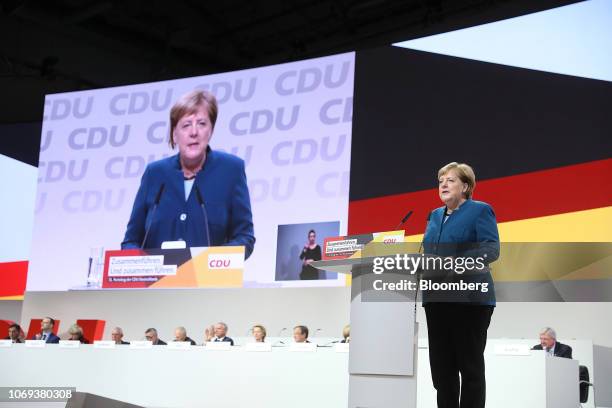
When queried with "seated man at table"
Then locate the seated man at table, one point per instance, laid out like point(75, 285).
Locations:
point(219, 333)
point(117, 336)
point(75, 332)
point(180, 334)
point(46, 331)
point(151, 335)
point(14, 333)
point(300, 334)
point(549, 343)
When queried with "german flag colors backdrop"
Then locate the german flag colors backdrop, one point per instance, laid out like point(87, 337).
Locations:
point(539, 143)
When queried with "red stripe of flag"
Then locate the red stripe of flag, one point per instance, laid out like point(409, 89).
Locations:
point(536, 194)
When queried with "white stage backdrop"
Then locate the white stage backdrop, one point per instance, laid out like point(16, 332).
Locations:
point(291, 123)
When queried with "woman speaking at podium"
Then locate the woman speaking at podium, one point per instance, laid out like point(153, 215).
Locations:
point(457, 323)
point(199, 195)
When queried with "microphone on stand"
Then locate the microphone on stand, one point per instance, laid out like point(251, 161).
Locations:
point(203, 207)
point(279, 341)
point(155, 204)
point(403, 221)
point(426, 224)
point(329, 344)
point(420, 273)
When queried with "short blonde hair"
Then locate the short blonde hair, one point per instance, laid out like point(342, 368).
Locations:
point(465, 174)
point(75, 329)
point(346, 331)
point(189, 104)
point(263, 329)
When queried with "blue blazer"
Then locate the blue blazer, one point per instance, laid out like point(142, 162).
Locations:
point(222, 184)
point(51, 338)
point(471, 231)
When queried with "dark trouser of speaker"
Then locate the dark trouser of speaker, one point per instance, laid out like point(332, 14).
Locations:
point(584, 383)
point(87, 400)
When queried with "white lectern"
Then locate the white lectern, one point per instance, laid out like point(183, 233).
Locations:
point(382, 353)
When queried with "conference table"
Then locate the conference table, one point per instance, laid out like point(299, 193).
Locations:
point(199, 377)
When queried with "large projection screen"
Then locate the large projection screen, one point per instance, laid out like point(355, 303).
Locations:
point(291, 123)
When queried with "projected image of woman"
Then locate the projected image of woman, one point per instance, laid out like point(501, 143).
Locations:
point(199, 195)
point(457, 325)
point(310, 253)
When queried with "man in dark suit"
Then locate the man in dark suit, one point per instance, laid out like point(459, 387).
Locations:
point(117, 336)
point(549, 343)
point(220, 333)
point(180, 334)
point(300, 334)
point(14, 333)
point(151, 335)
point(46, 331)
